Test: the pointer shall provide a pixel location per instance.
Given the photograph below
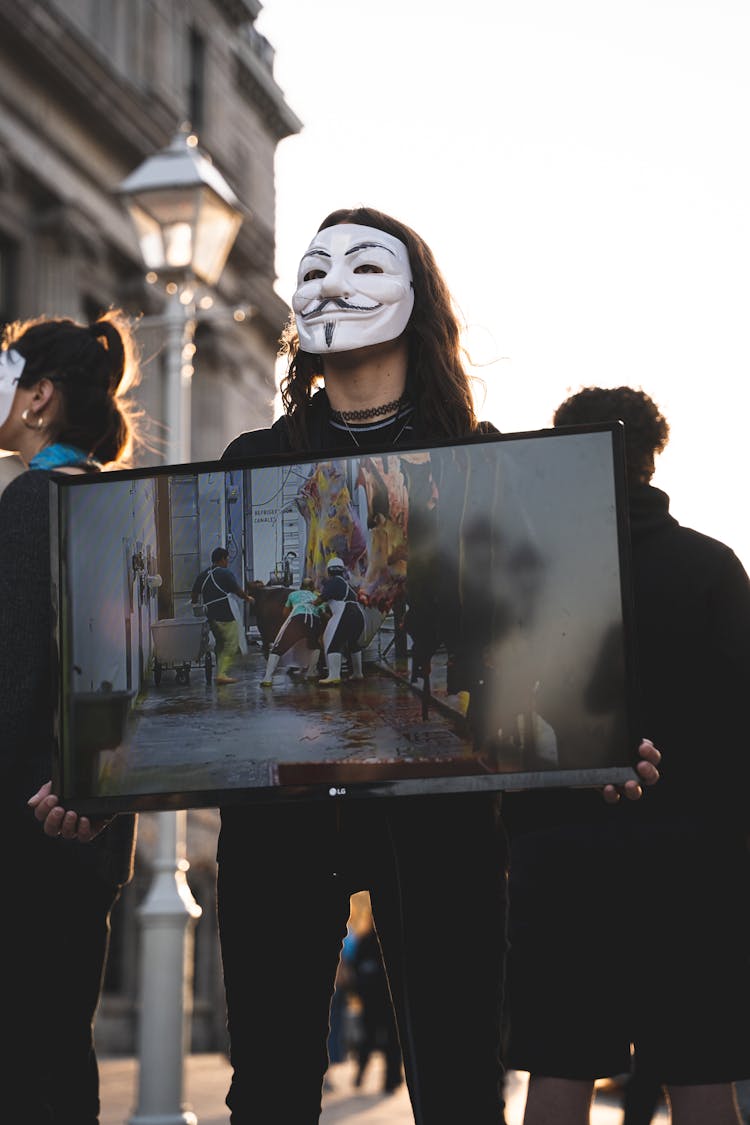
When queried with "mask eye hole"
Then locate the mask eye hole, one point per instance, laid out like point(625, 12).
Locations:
point(368, 268)
point(313, 275)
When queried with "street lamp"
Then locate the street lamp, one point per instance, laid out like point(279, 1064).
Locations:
point(186, 218)
point(185, 214)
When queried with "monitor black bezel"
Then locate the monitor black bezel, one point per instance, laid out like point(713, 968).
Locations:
point(397, 787)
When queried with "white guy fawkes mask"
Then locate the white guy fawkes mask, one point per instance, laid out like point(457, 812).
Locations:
point(354, 288)
point(12, 364)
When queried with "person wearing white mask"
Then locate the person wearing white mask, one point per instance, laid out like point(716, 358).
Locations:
point(373, 322)
point(374, 361)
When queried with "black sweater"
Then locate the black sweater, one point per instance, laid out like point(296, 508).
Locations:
point(26, 676)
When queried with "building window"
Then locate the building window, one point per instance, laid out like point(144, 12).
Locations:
point(196, 92)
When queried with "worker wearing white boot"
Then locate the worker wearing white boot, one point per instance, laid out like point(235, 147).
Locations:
point(333, 660)
point(300, 632)
point(351, 626)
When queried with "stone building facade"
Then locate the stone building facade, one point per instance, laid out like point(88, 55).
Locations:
point(88, 90)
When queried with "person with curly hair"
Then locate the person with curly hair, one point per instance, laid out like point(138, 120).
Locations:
point(654, 894)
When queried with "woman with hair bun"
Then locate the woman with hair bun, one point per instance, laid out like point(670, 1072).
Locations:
point(62, 408)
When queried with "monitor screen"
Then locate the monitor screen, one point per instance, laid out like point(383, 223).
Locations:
point(424, 620)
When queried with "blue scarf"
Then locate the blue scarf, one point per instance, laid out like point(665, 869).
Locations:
point(56, 455)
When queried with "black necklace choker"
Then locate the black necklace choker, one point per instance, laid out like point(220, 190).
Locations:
point(370, 412)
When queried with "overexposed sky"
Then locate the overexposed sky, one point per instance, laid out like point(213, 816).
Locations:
point(582, 174)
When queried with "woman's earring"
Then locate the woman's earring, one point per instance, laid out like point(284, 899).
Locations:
point(38, 422)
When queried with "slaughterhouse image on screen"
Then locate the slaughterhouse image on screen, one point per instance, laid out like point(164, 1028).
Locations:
point(451, 617)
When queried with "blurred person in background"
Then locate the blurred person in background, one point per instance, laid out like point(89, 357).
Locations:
point(377, 1023)
point(62, 408)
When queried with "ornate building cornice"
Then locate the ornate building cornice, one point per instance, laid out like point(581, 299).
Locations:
point(257, 84)
point(239, 11)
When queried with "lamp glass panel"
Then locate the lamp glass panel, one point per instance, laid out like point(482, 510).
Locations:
point(178, 245)
point(216, 229)
point(149, 236)
point(165, 223)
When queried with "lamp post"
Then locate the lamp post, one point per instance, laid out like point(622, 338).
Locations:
point(186, 218)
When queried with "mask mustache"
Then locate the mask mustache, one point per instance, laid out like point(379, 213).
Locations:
point(339, 303)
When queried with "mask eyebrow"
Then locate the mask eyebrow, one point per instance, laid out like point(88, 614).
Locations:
point(368, 246)
point(315, 252)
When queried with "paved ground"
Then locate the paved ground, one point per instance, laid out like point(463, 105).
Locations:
point(207, 1078)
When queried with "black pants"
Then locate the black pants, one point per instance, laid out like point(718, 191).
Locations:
point(54, 945)
point(435, 870)
point(378, 1032)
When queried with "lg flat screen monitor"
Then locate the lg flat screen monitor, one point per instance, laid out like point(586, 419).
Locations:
point(478, 635)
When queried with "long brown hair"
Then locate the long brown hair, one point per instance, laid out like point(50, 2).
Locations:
point(437, 381)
